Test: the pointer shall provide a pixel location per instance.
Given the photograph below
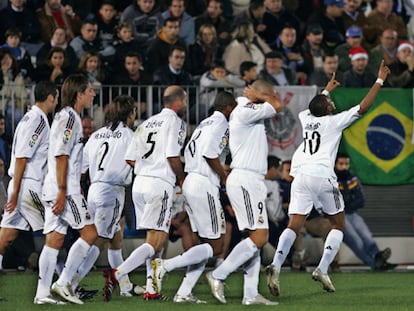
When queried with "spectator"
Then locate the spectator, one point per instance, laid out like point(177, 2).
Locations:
point(330, 18)
point(176, 9)
point(53, 14)
point(107, 20)
point(145, 19)
point(321, 77)
point(353, 39)
point(246, 45)
point(382, 18)
point(248, 72)
point(5, 145)
point(133, 75)
point(24, 61)
point(274, 71)
point(204, 51)
point(214, 16)
point(159, 48)
point(173, 72)
point(83, 8)
point(17, 15)
point(196, 7)
point(292, 58)
point(125, 44)
point(239, 6)
point(312, 48)
point(357, 235)
point(353, 14)
point(386, 50)
point(254, 14)
point(13, 94)
point(214, 81)
point(55, 68)
point(275, 18)
point(402, 68)
point(59, 39)
point(359, 75)
point(90, 66)
point(88, 41)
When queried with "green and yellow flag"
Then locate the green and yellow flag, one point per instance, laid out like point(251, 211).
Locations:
point(379, 143)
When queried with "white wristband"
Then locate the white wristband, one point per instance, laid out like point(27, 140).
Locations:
point(379, 81)
point(325, 92)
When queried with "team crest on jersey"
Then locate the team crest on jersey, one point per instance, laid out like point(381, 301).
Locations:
point(33, 139)
point(67, 134)
point(181, 137)
point(224, 140)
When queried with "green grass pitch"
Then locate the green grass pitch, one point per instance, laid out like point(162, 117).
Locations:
point(355, 291)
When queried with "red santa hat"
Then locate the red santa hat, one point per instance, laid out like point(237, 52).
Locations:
point(405, 44)
point(358, 52)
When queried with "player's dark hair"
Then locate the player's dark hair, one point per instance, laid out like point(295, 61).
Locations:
point(318, 105)
point(71, 86)
point(119, 110)
point(43, 89)
point(341, 155)
point(273, 161)
point(222, 100)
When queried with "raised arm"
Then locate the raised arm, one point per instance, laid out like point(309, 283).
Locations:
point(368, 100)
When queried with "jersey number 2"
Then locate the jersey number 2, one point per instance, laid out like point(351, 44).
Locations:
point(105, 145)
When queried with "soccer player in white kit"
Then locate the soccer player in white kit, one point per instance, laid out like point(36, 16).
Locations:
point(24, 208)
point(201, 191)
point(155, 154)
point(103, 155)
point(64, 204)
point(315, 182)
point(246, 189)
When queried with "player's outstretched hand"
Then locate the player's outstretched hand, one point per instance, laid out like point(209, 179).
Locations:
point(383, 71)
point(332, 84)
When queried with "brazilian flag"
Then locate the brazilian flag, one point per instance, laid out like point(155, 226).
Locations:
point(379, 142)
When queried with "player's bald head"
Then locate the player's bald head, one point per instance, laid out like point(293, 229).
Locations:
point(263, 87)
point(172, 93)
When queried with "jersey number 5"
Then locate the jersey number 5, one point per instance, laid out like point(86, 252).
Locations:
point(150, 141)
point(311, 143)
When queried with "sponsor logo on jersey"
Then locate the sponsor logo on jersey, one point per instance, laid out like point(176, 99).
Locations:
point(34, 139)
point(67, 134)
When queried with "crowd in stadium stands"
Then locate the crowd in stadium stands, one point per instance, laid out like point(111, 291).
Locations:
point(205, 43)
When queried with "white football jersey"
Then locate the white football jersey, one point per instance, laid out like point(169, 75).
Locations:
point(208, 140)
point(104, 155)
point(66, 138)
point(316, 155)
point(156, 139)
point(248, 142)
point(31, 141)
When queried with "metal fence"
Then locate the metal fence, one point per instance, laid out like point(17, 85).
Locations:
point(13, 104)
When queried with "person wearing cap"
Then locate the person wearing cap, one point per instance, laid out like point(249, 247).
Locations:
point(386, 50)
point(382, 18)
point(330, 18)
point(353, 39)
point(313, 48)
point(358, 76)
point(353, 14)
point(402, 69)
point(274, 71)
